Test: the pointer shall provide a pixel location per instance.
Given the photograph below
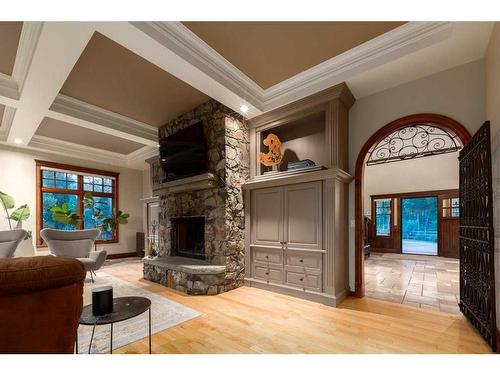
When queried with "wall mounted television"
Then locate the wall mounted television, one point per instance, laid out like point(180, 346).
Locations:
point(184, 153)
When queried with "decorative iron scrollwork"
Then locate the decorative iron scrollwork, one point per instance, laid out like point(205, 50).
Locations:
point(414, 141)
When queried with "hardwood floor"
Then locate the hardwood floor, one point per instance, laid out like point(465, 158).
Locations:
point(250, 320)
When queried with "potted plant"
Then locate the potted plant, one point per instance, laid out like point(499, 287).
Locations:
point(15, 218)
point(12, 238)
point(64, 215)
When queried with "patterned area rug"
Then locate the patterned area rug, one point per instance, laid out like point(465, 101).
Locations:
point(164, 314)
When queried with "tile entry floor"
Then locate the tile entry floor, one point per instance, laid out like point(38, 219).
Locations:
point(429, 282)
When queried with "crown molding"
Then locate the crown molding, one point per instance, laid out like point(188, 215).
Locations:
point(7, 118)
point(396, 43)
point(134, 160)
point(143, 153)
point(187, 45)
point(75, 150)
point(9, 92)
point(68, 109)
point(390, 46)
point(28, 40)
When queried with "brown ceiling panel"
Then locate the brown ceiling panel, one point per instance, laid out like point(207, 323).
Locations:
point(76, 134)
point(270, 52)
point(114, 78)
point(9, 40)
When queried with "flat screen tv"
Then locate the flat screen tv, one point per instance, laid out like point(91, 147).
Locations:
point(184, 153)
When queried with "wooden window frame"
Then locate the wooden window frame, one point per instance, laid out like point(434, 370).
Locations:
point(449, 208)
point(40, 189)
point(391, 218)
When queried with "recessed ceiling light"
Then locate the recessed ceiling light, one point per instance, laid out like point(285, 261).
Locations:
point(244, 108)
point(18, 141)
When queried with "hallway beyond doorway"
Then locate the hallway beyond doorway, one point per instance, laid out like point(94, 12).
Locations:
point(429, 282)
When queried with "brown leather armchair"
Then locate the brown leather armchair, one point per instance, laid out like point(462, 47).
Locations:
point(41, 300)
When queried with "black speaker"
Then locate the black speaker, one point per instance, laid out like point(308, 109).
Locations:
point(102, 300)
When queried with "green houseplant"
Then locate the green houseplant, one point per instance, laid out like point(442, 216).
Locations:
point(16, 217)
point(64, 215)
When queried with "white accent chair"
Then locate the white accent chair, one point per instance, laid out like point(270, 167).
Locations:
point(9, 241)
point(78, 244)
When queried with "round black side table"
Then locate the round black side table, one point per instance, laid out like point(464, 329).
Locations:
point(123, 308)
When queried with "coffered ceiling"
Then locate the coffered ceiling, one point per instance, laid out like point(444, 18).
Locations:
point(64, 131)
point(100, 90)
point(110, 76)
point(280, 50)
point(9, 40)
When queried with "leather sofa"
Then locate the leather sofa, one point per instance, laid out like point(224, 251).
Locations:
point(41, 300)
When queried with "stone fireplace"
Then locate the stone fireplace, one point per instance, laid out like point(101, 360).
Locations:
point(201, 221)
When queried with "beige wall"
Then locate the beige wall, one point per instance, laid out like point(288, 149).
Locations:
point(458, 93)
point(147, 191)
point(437, 172)
point(17, 178)
point(492, 69)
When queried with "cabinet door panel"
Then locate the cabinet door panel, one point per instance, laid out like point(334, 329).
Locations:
point(303, 216)
point(267, 216)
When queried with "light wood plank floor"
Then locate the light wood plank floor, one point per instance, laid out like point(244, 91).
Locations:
point(250, 320)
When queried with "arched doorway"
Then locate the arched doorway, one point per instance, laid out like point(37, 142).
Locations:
point(438, 121)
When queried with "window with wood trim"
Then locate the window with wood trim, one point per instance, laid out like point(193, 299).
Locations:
point(68, 186)
point(383, 210)
point(451, 207)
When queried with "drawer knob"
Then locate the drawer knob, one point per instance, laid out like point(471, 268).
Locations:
point(301, 279)
point(301, 261)
point(267, 273)
point(267, 256)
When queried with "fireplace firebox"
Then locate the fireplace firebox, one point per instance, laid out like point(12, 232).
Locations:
point(188, 237)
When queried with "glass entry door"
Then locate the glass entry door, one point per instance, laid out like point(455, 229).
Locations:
point(419, 226)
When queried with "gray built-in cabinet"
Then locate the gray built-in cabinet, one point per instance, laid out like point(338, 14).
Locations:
point(296, 222)
point(286, 235)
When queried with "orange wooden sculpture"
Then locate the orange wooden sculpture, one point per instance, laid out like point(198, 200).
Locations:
point(274, 156)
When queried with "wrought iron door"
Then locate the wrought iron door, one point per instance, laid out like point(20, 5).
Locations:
point(477, 274)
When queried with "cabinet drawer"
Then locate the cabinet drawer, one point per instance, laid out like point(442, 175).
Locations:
point(268, 274)
point(303, 280)
point(268, 256)
point(304, 260)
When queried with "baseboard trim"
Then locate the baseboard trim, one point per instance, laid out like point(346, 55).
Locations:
point(121, 255)
point(323, 298)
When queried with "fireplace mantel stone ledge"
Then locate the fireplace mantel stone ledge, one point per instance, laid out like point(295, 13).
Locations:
point(198, 182)
point(188, 265)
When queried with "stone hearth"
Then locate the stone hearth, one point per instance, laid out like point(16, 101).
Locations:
point(221, 205)
point(191, 276)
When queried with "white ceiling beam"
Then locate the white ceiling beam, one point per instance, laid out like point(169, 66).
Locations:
point(156, 47)
point(77, 112)
point(59, 46)
point(25, 51)
point(9, 92)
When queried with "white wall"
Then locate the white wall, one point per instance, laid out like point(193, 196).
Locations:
point(17, 178)
point(438, 172)
point(458, 93)
point(492, 68)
